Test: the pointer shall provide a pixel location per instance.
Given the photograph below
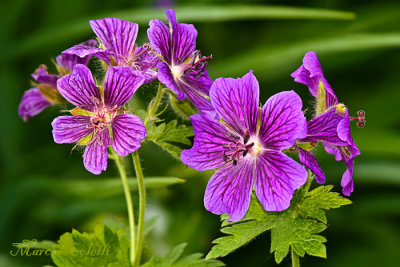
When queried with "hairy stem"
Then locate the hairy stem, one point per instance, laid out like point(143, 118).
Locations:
point(295, 259)
point(142, 206)
point(121, 168)
point(156, 103)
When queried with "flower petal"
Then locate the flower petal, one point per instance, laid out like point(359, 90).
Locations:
point(207, 150)
point(32, 103)
point(309, 160)
point(42, 76)
point(197, 90)
point(159, 37)
point(347, 179)
point(85, 51)
point(282, 121)
point(68, 61)
point(236, 102)
point(146, 62)
point(229, 190)
point(79, 88)
point(277, 176)
point(69, 129)
point(165, 76)
point(183, 40)
point(128, 133)
point(311, 74)
point(324, 128)
point(116, 35)
point(120, 84)
point(95, 156)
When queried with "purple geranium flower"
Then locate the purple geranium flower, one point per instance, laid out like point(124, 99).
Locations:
point(332, 123)
point(245, 145)
point(118, 47)
point(45, 93)
point(99, 116)
point(183, 69)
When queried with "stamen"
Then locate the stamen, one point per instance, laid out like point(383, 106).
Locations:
point(361, 119)
point(246, 136)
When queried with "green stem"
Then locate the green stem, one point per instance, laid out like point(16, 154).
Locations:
point(295, 259)
point(142, 206)
point(156, 103)
point(121, 168)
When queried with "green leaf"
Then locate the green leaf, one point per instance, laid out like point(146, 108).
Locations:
point(171, 259)
point(321, 199)
point(170, 136)
point(282, 58)
point(104, 247)
point(107, 187)
point(297, 227)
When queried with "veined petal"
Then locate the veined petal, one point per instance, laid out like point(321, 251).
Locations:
point(309, 160)
point(95, 156)
point(69, 129)
point(32, 103)
point(79, 88)
point(236, 102)
point(165, 76)
point(282, 121)
point(183, 39)
point(344, 133)
point(160, 38)
point(311, 74)
point(324, 128)
point(229, 190)
point(197, 90)
point(85, 51)
point(120, 84)
point(68, 60)
point(128, 133)
point(116, 35)
point(333, 150)
point(347, 179)
point(207, 150)
point(146, 62)
point(42, 76)
point(277, 176)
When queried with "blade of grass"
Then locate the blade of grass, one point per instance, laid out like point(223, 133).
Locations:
point(80, 28)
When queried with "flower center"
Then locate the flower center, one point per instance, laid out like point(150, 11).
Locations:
point(196, 64)
point(177, 71)
point(257, 148)
point(238, 148)
point(101, 118)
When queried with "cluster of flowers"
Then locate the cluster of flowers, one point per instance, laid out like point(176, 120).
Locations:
point(243, 142)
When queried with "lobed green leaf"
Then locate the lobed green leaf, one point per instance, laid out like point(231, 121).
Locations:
point(297, 227)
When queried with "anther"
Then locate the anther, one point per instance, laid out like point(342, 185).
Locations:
point(246, 136)
point(234, 162)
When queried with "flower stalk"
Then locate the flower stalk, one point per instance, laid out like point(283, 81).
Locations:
point(121, 168)
point(295, 259)
point(142, 206)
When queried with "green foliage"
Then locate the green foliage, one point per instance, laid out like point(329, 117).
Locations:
point(170, 136)
point(297, 227)
point(104, 247)
point(172, 259)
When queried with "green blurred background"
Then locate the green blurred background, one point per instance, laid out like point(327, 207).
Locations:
point(360, 57)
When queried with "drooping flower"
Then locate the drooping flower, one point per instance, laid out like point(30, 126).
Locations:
point(45, 93)
point(331, 125)
point(183, 68)
point(118, 47)
point(245, 145)
point(99, 119)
